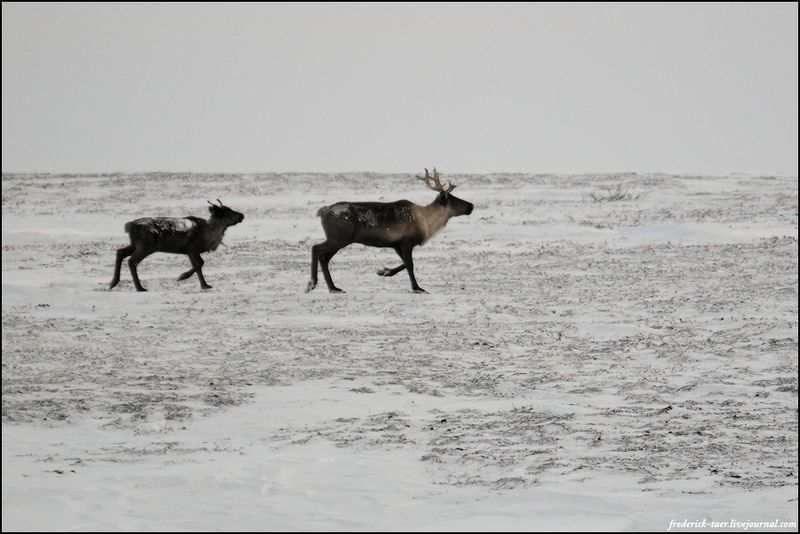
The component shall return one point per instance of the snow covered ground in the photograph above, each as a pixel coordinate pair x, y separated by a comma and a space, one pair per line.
576, 364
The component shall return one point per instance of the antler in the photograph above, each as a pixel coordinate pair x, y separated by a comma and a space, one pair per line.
433, 182
220, 203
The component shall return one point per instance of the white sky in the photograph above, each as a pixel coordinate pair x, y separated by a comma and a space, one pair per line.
708, 88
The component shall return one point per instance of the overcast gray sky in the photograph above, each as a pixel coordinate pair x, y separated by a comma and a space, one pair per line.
708, 88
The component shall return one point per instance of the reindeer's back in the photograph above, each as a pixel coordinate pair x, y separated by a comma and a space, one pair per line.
372, 223
163, 231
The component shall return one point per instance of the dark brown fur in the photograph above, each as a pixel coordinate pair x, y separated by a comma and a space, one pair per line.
188, 235
400, 225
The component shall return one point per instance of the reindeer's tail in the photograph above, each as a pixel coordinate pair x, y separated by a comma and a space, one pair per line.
128, 227
323, 211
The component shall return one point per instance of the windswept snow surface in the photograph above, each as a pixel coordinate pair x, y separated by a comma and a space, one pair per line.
576, 364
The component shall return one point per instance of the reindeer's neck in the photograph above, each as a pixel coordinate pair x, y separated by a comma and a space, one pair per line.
434, 218
214, 232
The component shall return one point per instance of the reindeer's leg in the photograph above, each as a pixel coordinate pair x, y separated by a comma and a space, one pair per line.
186, 275
409, 263
134, 260
386, 271
315, 252
197, 264
122, 253
326, 253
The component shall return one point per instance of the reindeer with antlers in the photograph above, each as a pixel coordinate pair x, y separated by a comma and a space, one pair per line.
400, 225
187, 235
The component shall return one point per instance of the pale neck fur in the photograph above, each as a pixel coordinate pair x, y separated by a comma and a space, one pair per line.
215, 231
433, 218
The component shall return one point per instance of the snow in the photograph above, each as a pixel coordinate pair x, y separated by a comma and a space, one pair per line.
340, 209
575, 364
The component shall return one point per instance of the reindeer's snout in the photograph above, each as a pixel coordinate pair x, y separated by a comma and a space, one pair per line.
469, 209
241, 217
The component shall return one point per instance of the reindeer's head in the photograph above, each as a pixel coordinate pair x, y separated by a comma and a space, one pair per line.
225, 213
445, 197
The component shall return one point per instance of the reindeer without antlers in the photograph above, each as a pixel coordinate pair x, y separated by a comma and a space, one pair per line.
400, 225
187, 235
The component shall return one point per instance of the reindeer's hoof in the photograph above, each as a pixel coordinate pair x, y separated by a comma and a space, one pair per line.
206, 286
335, 290
383, 271
113, 285
419, 290
140, 289
311, 285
